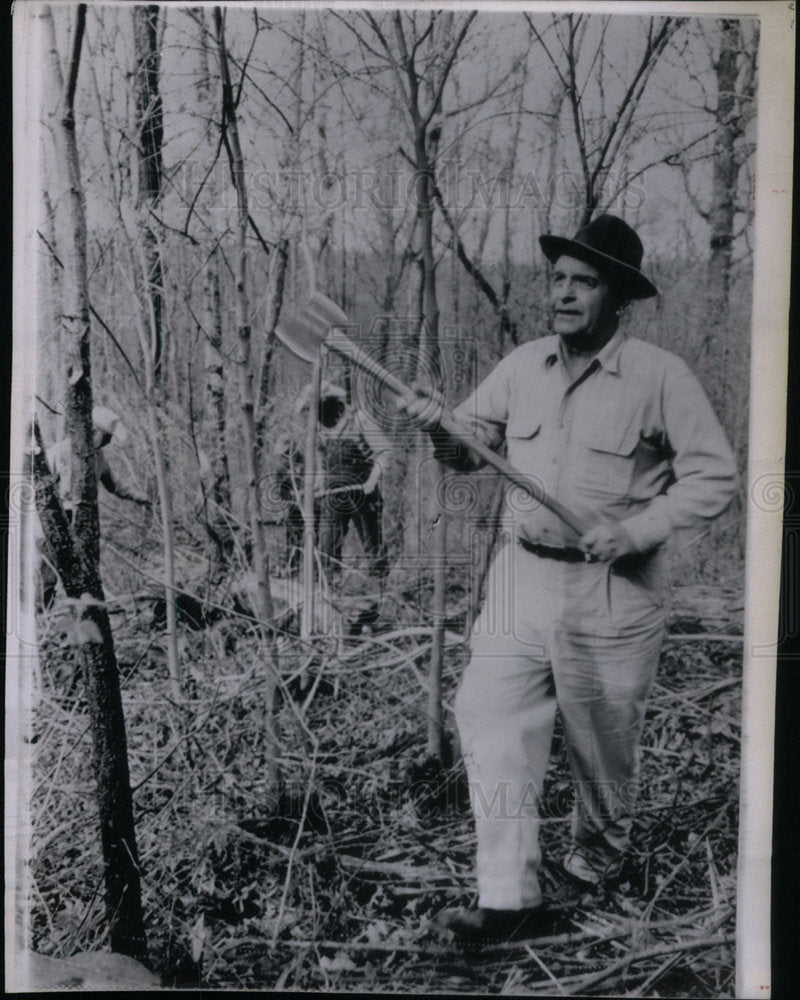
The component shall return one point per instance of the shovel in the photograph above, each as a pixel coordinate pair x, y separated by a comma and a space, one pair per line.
319, 323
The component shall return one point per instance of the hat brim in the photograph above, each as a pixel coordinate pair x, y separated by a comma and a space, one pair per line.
633, 281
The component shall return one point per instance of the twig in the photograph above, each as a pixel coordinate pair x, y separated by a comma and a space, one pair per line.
47, 406
180, 739
401, 633
545, 970
671, 960
293, 852
423, 875
673, 874
582, 985
271, 623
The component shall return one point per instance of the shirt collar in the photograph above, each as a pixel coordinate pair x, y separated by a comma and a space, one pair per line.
608, 357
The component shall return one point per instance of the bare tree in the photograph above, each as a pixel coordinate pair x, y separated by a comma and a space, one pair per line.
264, 610
74, 549
214, 430
734, 71
421, 83
715, 170
602, 138
279, 260
150, 138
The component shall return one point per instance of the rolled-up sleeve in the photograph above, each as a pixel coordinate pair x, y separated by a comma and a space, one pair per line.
704, 473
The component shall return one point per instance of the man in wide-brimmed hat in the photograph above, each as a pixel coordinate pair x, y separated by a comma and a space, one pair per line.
621, 433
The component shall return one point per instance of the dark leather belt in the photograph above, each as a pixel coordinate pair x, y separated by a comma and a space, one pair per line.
560, 554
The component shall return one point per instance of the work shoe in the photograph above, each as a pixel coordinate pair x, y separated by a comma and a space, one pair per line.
590, 867
485, 926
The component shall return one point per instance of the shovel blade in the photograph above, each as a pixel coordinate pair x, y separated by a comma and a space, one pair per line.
327, 310
302, 338
310, 326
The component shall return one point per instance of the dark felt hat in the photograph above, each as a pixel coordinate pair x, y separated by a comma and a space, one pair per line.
610, 245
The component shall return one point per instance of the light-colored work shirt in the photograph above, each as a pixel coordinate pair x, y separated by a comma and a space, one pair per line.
632, 439
352, 446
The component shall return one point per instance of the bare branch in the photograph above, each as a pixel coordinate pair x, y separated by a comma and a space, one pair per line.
547, 51
388, 55
246, 62
448, 66
637, 85
74, 63
408, 66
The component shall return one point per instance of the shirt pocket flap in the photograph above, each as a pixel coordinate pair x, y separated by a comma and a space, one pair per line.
523, 426
613, 440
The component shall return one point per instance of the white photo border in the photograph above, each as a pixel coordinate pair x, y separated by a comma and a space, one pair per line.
767, 430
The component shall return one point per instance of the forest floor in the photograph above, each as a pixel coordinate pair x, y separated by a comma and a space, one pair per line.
336, 890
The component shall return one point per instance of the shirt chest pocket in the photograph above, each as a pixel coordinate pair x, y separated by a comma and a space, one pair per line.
607, 458
522, 437
524, 426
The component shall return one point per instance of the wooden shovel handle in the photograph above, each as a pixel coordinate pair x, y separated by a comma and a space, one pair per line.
339, 342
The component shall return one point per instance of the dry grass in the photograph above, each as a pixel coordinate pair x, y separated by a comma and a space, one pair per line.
336, 890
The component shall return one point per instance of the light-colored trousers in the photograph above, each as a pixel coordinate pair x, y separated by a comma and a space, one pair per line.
583, 637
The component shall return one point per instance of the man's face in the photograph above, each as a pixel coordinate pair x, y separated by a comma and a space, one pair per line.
581, 299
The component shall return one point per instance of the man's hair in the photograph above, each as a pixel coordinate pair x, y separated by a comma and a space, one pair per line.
331, 409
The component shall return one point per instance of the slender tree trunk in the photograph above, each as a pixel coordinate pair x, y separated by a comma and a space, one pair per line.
507, 328
309, 484
95, 642
264, 602
76, 552
150, 132
726, 167
214, 370
145, 323
344, 227
214, 411
430, 341
165, 504
554, 137
723, 208
260, 562
150, 136
429, 353
413, 508
280, 266
426, 127
435, 730
49, 340
472, 267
